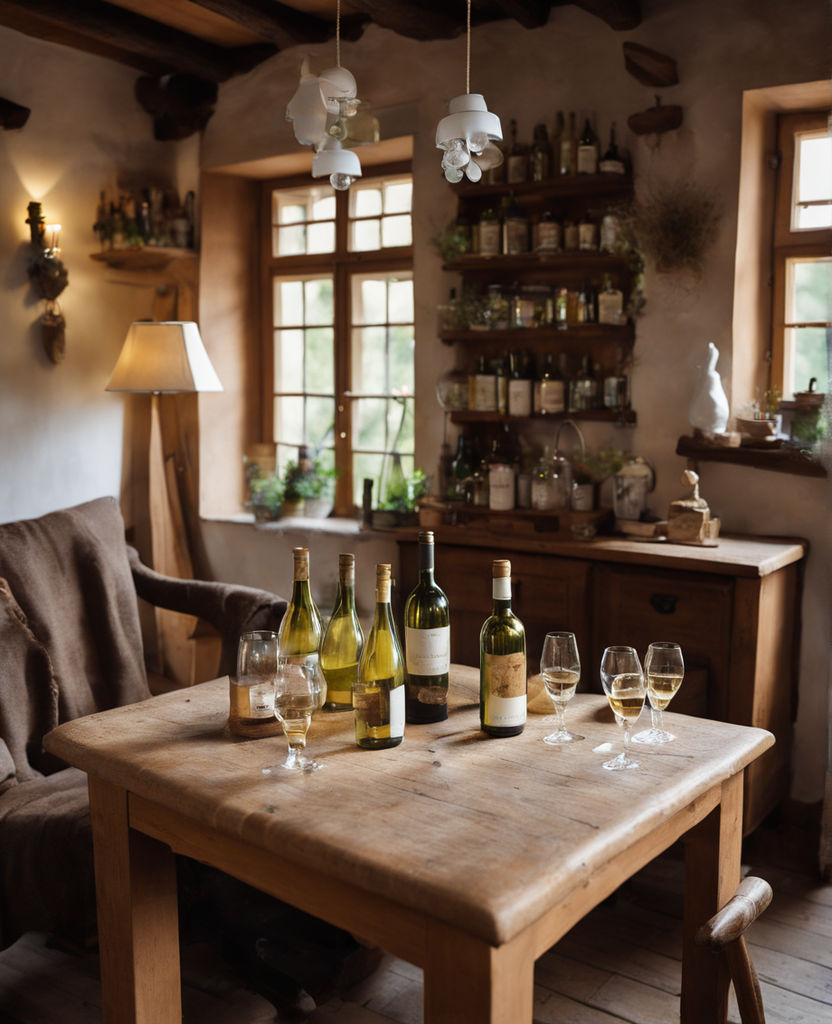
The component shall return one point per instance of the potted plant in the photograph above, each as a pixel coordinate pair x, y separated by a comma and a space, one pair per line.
589, 470
265, 496
761, 419
317, 488
401, 498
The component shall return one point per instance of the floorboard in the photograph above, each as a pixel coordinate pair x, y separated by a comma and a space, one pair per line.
620, 965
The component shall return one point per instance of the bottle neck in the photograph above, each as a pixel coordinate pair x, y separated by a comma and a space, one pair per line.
345, 598
426, 563
501, 593
301, 594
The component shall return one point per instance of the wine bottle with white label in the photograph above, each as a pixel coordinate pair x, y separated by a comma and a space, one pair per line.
378, 693
502, 661
427, 642
299, 636
342, 641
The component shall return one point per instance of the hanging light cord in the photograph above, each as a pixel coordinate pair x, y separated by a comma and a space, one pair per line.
338, 31
467, 52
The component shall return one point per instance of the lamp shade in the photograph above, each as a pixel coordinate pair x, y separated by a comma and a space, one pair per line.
163, 356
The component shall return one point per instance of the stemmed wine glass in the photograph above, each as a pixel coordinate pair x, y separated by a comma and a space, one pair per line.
665, 670
296, 697
560, 667
623, 682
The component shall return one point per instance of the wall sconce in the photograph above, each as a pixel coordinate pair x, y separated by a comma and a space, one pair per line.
49, 277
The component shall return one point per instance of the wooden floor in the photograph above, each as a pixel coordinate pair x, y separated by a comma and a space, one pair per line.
620, 964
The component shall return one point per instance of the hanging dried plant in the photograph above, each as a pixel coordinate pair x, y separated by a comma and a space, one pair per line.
673, 226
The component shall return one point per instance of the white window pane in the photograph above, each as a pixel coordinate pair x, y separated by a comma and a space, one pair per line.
288, 303
398, 197
291, 241
371, 428
366, 202
320, 421
401, 301
288, 360
290, 213
369, 360
809, 357
815, 162
319, 358
320, 237
371, 307
810, 217
812, 300
288, 420
366, 236
324, 208
319, 301
365, 467
400, 348
396, 231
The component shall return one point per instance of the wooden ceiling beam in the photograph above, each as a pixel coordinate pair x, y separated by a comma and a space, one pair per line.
622, 15
275, 22
530, 13
426, 19
150, 45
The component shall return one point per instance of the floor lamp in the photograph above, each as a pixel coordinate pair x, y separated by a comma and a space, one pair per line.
165, 358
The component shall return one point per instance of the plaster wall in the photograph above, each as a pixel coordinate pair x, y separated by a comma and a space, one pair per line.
723, 48
60, 432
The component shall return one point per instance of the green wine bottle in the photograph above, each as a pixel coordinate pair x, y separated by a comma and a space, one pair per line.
299, 635
502, 661
342, 642
427, 642
378, 693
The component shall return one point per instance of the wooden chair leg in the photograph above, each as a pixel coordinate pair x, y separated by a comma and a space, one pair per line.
724, 933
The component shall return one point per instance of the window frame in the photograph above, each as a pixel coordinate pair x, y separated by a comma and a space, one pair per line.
341, 264
786, 243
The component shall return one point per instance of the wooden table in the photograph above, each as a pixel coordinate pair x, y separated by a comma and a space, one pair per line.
465, 855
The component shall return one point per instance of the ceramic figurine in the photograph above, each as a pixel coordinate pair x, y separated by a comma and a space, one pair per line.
689, 520
709, 406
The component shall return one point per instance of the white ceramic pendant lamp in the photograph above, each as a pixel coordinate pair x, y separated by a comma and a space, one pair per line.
467, 135
319, 111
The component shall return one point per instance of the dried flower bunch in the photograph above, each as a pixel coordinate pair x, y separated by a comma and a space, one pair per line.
674, 225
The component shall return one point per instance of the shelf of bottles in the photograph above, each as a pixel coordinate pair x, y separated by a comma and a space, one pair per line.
619, 416
531, 337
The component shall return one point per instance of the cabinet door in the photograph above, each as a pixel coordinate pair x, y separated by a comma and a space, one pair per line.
548, 593
637, 606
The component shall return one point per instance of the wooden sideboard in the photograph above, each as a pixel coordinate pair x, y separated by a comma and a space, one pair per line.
734, 609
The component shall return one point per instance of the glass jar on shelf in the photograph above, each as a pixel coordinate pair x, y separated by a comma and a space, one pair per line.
496, 308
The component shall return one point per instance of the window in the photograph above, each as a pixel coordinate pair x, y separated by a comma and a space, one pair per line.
802, 254
339, 355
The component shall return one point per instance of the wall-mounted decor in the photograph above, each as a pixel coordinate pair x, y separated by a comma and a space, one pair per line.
49, 277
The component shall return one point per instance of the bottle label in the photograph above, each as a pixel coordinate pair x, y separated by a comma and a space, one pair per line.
520, 397
252, 700
610, 307
612, 167
397, 712
501, 588
501, 488
549, 234
587, 159
516, 169
551, 396
516, 234
485, 392
428, 651
587, 236
505, 702
489, 237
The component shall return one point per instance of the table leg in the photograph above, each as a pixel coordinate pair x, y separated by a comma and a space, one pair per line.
468, 980
138, 925
712, 872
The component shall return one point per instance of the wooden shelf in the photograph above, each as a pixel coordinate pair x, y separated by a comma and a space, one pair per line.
779, 460
576, 260
569, 186
145, 257
528, 335
623, 416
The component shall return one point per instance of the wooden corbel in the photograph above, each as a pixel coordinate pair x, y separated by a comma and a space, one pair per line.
180, 105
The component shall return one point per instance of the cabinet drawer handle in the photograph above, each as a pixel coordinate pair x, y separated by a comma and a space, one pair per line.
664, 604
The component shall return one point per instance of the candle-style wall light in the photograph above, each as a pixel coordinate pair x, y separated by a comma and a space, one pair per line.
49, 277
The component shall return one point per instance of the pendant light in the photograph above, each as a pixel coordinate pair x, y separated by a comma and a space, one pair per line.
319, 111
468, 133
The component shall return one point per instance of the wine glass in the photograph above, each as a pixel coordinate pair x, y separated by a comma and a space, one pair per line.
665, 670
560, 667
252, 689
295, 699
623, 682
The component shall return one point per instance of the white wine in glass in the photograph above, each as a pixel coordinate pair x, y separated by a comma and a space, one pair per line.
664, 667
296, 698
560, 667
623, 682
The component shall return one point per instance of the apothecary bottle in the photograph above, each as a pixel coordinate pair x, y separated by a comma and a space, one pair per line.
519, 387
612, 162
502, 661
490, 233
517, 161
540, 161
342, 641
427, 642
299, 635
515, 229
378, 695
569, 148
587, 160
551, 389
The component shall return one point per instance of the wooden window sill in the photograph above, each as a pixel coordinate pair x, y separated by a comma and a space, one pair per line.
780, 460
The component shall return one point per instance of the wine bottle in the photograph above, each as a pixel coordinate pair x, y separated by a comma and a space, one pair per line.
541, 154
587, 160
427, 642
612, 162
551, 389
517, 162
342, 641
299, 635
502, 661
569, 148
378, 695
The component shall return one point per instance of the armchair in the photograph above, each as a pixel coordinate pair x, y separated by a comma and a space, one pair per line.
70, 645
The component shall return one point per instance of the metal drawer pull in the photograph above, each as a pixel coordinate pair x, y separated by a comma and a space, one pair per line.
664, 604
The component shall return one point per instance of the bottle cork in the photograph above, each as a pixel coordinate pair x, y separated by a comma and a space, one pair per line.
500, 567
